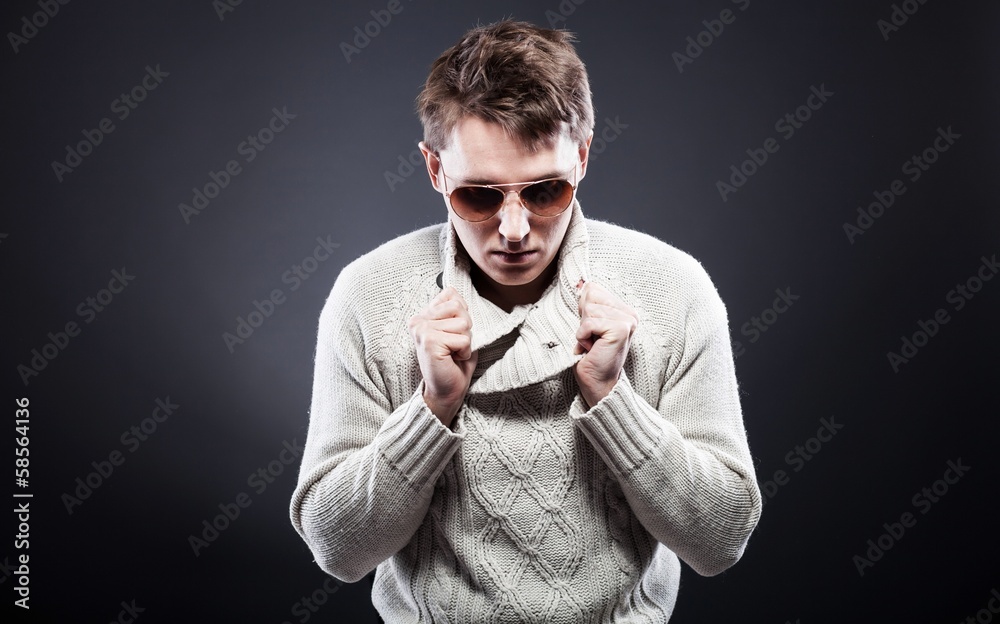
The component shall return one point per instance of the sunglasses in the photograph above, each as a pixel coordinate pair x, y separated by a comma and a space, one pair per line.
478, 202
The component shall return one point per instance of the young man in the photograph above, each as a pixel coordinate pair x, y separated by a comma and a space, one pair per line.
522, 415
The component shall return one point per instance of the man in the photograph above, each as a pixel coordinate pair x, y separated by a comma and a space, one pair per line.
522, 415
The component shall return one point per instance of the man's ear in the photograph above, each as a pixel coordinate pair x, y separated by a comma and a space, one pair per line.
433, 164
585, 156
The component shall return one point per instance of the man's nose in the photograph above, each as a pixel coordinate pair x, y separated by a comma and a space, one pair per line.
513, 218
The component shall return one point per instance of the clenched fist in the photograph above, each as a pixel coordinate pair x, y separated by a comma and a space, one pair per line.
442, 333
606, 326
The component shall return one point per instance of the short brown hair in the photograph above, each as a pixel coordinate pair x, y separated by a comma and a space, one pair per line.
526, 78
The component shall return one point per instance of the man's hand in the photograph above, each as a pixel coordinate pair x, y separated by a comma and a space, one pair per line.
442, 333
606, 326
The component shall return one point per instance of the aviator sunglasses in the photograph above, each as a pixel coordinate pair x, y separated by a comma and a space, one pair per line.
478, 202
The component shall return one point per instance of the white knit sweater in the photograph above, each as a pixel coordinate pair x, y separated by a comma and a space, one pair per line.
531, 508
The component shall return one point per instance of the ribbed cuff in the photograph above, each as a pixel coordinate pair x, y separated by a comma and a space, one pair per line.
416, 442
619, 426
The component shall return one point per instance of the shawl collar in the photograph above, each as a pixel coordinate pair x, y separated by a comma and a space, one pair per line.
546, 328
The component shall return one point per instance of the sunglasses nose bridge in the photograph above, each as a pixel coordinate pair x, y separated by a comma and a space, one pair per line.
517, 195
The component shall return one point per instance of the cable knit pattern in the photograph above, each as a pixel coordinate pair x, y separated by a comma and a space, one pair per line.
531, 507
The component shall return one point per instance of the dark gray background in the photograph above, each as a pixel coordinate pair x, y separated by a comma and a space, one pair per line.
324, 175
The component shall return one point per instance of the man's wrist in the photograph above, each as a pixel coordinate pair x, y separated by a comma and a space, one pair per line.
443, 413
592, 398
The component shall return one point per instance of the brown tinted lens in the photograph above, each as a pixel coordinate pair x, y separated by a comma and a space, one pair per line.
548, 198
476, 202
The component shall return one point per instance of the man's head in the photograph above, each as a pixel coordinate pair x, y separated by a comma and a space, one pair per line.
509, 103
527, 79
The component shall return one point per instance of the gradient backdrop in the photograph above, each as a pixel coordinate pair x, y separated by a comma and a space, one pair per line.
891, 336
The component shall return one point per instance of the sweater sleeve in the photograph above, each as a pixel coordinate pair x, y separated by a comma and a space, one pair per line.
368, 471
685, 466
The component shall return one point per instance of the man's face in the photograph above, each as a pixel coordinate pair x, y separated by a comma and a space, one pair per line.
514, 247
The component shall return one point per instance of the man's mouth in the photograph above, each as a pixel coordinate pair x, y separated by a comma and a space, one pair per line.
516, 257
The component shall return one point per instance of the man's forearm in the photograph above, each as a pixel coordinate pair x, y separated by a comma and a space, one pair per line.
366, 508
699, 506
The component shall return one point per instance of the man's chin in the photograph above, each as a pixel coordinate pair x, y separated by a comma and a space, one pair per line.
512, 276
510, 281
507, 275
